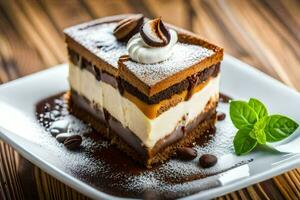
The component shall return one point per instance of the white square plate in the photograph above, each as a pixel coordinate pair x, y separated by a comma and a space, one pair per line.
19, 128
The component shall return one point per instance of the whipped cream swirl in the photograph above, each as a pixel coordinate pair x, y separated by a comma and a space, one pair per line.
140, 49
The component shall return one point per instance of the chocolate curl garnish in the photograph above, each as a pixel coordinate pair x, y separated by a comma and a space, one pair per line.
155, 34
126, 28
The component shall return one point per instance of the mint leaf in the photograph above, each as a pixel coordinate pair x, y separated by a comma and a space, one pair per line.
258, 107
242, 142
258, 132
242, 114
256, 127
279, 127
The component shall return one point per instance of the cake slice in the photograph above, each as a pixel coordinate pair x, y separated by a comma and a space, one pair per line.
148, 87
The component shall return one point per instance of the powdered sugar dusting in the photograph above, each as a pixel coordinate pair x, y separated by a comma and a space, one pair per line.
183, 57
99, 40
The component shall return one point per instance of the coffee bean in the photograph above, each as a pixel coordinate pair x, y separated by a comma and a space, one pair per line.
73, 142
186, 153
54, 132
221, 116
62, 137
207, 160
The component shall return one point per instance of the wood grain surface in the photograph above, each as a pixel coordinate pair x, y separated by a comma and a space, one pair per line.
263, 33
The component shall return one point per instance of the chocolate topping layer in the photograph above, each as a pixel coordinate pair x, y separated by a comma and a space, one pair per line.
95, 41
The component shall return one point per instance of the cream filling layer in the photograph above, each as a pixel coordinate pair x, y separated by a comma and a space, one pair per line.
148, 130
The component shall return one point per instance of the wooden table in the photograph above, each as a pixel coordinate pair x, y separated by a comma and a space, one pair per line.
263, 33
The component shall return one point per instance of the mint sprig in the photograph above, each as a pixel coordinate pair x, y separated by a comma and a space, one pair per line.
255, 126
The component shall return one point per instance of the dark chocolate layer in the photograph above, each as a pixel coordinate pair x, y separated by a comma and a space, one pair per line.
115, 127
187, 84
109, 79
83, 63
84, 104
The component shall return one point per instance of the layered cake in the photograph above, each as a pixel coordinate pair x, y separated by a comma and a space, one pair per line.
147, 86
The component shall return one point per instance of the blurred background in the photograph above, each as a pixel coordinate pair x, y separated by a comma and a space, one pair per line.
263, 33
